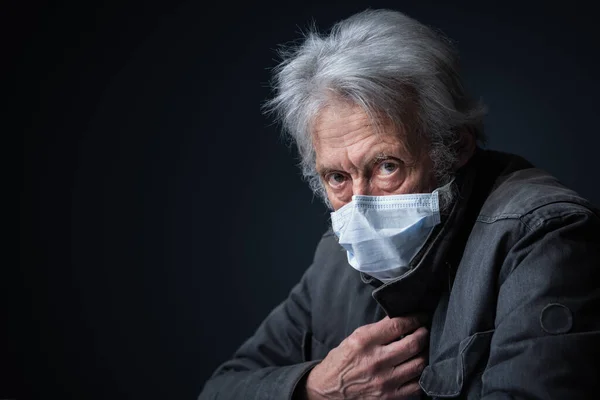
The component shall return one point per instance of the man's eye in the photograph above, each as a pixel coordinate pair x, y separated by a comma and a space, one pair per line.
336, 179
388, 167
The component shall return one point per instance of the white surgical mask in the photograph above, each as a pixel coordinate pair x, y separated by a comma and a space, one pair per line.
382, 234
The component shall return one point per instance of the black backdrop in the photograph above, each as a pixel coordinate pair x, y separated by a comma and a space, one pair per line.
162, 216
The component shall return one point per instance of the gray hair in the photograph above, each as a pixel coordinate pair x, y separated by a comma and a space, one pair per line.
385, 62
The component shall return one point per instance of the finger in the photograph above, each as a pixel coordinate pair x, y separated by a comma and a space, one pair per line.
409, 390
408, 370
390, 329
406, 348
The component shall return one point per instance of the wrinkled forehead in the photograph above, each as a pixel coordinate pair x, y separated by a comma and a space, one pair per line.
342, 124
338, 119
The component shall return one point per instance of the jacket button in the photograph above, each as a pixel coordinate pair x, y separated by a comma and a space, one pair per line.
556, 318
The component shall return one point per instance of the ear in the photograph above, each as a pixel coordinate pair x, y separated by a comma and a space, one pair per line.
466, 148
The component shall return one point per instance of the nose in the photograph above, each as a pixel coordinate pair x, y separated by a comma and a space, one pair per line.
360, 187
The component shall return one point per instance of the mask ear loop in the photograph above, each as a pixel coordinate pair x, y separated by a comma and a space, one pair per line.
446, 187
435, 206
436, 198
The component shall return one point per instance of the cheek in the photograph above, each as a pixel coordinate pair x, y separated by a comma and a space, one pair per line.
338, 200
388, 184
337, 204
339, 195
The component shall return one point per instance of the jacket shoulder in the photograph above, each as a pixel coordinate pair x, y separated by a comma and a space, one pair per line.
531, 193
328, 250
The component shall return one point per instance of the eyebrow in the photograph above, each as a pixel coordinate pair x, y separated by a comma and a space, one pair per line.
324, 170
379, 157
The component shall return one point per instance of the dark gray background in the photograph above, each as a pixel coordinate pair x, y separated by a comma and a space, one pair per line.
162, 217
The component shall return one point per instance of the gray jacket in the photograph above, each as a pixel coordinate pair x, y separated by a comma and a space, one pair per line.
511, 281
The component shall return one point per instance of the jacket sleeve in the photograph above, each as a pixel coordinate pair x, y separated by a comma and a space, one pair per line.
270, 363
547, 325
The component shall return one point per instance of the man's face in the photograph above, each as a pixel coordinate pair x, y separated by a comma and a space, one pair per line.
353, 158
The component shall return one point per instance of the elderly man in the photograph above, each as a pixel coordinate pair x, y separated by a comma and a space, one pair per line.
450, 270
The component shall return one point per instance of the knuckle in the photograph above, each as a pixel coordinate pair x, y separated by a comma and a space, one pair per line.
422, 334
351, 342
398, 326
356, 340
359, 331
412, 345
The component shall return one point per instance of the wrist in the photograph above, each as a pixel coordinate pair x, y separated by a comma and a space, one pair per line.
301, 391
310, 392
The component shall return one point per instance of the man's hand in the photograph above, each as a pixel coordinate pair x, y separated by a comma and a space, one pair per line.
372, 363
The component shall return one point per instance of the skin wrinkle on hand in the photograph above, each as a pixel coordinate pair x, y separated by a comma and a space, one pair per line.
362, 366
